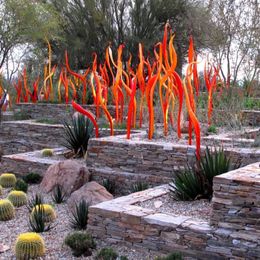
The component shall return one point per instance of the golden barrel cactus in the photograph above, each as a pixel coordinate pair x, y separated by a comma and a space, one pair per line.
29, 245
7, 180
6, 210
18, 198
49, 212
47, 152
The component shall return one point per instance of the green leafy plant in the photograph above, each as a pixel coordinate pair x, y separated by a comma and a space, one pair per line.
37, 220
7, 180
77, 134
212, 129
139, 186
47, 152
7, 210
37, 199
187, 185
29, 246
32, 178
172, 256
107, 254
18, 198
215, 162
79, 215
58, 194
21, 185
81, 243
110, 185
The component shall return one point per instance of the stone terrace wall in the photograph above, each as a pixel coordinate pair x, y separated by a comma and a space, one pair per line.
232, 233
58, 112
149, 157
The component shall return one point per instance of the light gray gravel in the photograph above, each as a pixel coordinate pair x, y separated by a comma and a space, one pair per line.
55, 249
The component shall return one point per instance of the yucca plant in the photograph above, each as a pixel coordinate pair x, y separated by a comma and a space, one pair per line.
139, 186
79, 215
215, 162
37, 199
77, 134
58, 194
37, 220
110, 185
187, 185
29, 246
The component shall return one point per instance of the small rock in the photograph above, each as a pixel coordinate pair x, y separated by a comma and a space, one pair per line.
157, 204
3, 248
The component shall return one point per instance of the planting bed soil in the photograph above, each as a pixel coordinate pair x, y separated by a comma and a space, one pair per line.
55, 248
199, 209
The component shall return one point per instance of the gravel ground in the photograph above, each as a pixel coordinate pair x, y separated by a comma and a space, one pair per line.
55, 249
199, 209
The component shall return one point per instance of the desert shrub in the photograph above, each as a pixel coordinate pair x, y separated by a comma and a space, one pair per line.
139, 186
47, 152
81, 243
29, 246
32, 178
21, 185
58, 194
37, 221
110, 185
212, 129
37, 199
171, 256
187, 185
77, 134
79, 215
107, 254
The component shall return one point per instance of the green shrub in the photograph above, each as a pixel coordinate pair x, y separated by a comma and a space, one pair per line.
187, 185
7, 180
172, 256
110, 185
18, 198
21, 185
77, 134
29, 246
79, 215
32, 178
107, 254
47, 152
37, 199
58, 194
139, 186
81, 243
212, 129
37, 220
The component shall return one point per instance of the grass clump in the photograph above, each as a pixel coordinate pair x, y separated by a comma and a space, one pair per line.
58, 194
79, 216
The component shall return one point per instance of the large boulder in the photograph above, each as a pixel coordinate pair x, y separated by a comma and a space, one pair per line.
70, 174
92, 192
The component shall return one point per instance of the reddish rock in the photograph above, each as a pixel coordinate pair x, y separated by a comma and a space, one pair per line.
92, 192
69, 174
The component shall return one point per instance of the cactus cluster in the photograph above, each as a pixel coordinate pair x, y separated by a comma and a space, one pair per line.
49, 212
7, 180
6, 210
47, 152
28, 246
18, 198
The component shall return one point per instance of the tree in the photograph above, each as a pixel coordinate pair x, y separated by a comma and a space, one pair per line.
24, 22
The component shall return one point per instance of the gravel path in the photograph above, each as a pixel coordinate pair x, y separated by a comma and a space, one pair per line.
55, 249
200, 209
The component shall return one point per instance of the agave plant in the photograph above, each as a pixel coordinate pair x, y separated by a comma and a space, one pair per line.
59, 195
77, 134
79, 215
187, 185
37, 199
215, 162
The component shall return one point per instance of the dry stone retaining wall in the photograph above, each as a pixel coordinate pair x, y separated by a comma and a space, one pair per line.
232, 233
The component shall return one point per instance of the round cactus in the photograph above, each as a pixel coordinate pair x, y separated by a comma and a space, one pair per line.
6, 210
49, 212
47, 152
17, 197
28, 246
7, 180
